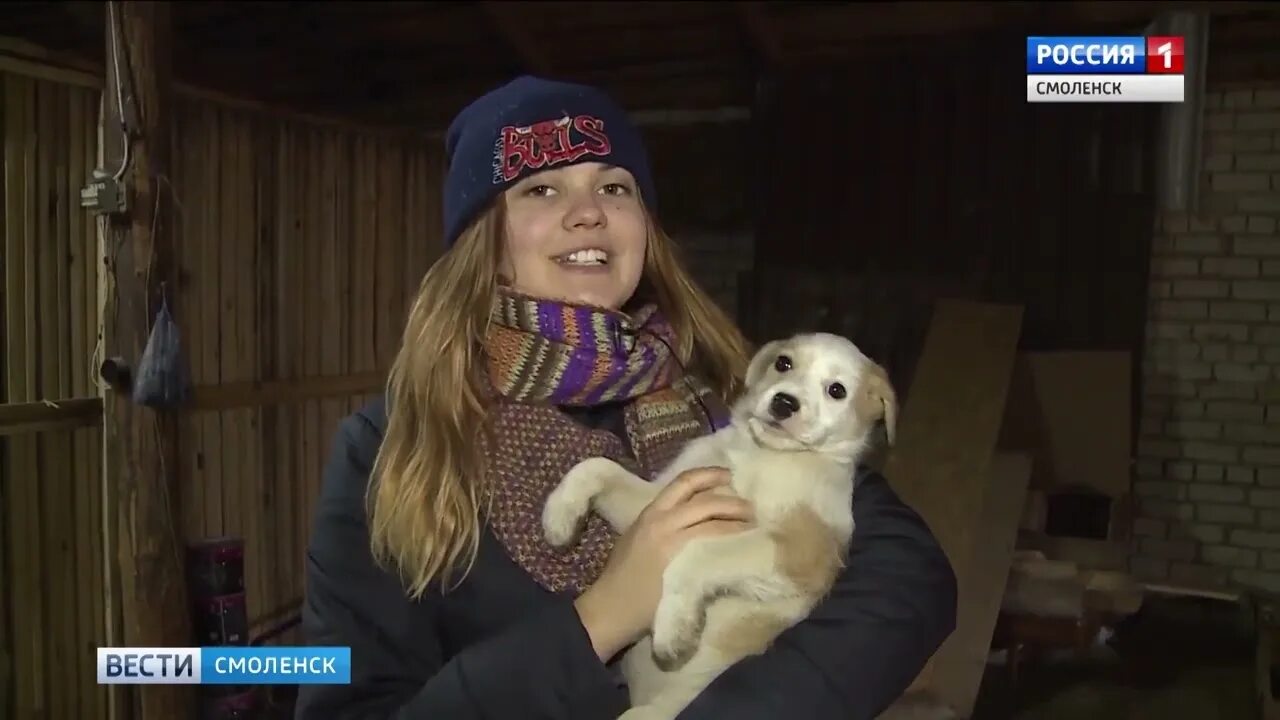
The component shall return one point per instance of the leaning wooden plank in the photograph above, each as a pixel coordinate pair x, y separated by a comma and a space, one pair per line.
959, 663
948, 428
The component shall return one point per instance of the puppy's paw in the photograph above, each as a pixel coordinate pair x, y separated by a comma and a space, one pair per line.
676, 627
570, 502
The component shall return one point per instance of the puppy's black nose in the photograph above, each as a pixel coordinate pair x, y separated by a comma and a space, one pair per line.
784, 406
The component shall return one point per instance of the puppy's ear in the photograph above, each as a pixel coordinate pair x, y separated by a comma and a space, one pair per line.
882, 397
762, 361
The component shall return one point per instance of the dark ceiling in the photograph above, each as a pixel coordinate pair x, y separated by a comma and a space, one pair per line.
418, 62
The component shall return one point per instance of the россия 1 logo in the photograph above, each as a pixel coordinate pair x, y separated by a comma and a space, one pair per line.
1105, 69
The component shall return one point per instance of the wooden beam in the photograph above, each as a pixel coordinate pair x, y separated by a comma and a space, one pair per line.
47, 415
141, 442
500, 15
755, 22
280, 392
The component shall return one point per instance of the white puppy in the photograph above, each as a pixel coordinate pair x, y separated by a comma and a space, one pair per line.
807, 415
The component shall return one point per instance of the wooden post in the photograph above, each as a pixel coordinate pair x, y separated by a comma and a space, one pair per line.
141, 442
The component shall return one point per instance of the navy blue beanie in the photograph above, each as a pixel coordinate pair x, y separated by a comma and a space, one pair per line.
526, 126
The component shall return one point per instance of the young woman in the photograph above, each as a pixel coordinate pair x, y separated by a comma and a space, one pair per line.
558, 326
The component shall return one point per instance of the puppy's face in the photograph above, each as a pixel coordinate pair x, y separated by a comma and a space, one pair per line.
817, 392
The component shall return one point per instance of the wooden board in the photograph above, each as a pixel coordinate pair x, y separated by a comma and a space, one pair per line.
960, 662
1080, 417
949, 426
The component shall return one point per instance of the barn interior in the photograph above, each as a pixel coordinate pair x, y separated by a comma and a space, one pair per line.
1078, 303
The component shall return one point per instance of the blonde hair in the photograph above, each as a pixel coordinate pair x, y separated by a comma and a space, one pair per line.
426, 489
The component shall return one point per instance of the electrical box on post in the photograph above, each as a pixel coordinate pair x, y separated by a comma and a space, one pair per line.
104, 195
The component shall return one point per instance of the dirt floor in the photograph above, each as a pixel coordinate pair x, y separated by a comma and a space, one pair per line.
1174, 660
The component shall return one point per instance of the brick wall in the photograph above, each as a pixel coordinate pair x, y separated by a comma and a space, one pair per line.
1208, 474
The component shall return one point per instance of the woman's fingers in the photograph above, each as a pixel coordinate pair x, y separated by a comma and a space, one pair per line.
708, 507
688, 484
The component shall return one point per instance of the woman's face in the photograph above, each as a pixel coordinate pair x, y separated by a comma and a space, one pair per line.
576, 233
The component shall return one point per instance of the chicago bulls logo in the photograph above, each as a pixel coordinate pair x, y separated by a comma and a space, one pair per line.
547, 143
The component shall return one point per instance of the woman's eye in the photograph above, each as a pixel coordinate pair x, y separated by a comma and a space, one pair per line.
617, 189
539, 191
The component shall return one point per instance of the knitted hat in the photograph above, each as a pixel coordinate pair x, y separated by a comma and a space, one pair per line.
526, 126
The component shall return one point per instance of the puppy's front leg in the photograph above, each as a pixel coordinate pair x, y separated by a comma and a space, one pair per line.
599, 483
744, 564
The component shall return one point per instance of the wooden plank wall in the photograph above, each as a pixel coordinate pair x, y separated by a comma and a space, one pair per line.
299, 247
930, 175
54, 594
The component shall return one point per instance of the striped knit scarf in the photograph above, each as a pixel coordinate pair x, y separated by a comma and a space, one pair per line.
542, 354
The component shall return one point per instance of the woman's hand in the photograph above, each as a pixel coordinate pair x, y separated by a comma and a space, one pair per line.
618, 609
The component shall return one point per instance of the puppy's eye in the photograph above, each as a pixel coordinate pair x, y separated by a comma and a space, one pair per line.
837, 391
782, 364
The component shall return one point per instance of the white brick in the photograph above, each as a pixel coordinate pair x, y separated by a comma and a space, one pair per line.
1158, 448
1248, 412
1269, 582
1148, 568
1237, 98
1245, 354
1253, 289
1210, 472
1226, 514
1170, 267
1220, 121
1229, 556
1241, 311
1236, 182
1200, 288
1254, 539
1187, 409
1182, 511
1200, 492
1219, 162
1197, 245
1269, 477
1161, 489
1235, 223
1259, 455
1266, 98
1170, 387
1269, 519
1238, 372
1236, 141
1167, 330
1180, 470
1273, 314
1169, 350
1266, 335
1258, 120
1150, 527
1270, 561
1207, 534
1216, 353
1240, 475
1269, 392
1245, 434
1265, 498
1259, 225
1160, 289
1212, 452
1182, 309
1257, 245
1184, 550
1149, 469
1183, 369
1225, 391
1231, 267
1193, 430
1271, 268
1210, 332
1268, 203
1262, 161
